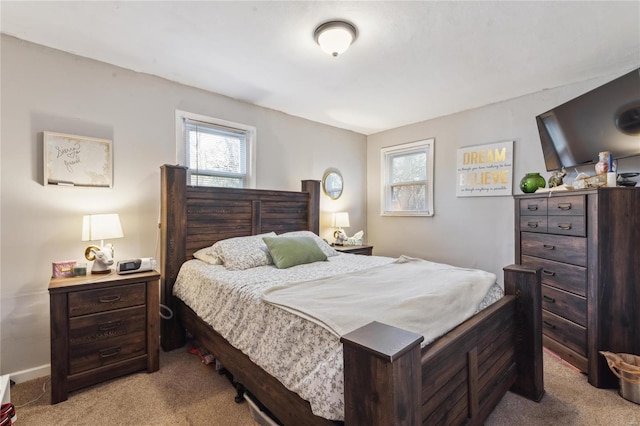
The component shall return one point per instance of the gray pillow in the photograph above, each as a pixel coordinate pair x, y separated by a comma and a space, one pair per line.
291, 251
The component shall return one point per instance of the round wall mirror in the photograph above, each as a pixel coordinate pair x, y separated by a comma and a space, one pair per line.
332, 184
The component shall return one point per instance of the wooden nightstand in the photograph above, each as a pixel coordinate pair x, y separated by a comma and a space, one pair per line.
102, 327
364, 250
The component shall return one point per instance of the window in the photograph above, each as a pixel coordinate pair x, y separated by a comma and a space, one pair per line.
217, 152
407, 179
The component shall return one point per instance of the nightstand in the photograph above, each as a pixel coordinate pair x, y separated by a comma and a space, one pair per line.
364, 250
102, 327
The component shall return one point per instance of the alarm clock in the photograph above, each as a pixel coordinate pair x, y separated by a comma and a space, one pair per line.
131, 266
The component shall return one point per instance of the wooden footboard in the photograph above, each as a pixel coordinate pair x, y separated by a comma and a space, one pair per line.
461, 376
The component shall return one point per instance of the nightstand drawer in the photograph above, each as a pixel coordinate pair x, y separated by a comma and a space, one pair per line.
99, 353
566, 277
555, 247
106, 299
564, 331
565, 304
107, 325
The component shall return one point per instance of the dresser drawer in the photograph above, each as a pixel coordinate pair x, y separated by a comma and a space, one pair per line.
564, 304
555, 247
106, 299
96, 354
566, 206
107, 325
564, 331
566, 277
566, 225
533, 206
533, 223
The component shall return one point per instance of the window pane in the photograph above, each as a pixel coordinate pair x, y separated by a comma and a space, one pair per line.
226, 182
408, 197
216, 152
409, 167
407, 183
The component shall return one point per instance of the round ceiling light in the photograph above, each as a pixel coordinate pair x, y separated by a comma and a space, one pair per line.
335, 37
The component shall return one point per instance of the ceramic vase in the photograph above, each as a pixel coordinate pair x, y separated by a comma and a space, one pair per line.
531, 182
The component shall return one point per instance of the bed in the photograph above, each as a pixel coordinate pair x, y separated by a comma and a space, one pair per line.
389, 378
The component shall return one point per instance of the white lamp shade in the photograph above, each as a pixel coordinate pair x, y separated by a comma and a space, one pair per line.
341, 220
335, 37
101, 227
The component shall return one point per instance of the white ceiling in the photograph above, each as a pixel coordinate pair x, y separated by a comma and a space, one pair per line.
412, 61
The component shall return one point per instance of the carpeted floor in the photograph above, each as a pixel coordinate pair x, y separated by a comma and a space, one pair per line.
186, 392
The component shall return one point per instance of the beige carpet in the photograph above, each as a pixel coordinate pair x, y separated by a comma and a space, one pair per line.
186, 392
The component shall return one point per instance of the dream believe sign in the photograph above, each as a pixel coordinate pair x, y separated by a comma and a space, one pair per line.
485, 170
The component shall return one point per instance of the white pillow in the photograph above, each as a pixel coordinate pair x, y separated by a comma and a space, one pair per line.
324, 246
208, 255
241, 253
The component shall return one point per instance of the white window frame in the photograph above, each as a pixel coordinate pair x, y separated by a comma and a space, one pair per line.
386, 155
251, 134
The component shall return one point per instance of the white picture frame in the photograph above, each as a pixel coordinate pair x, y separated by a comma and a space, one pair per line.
71, 160
485, 170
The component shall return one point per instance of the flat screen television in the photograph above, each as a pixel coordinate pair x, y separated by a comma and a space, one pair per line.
606, 118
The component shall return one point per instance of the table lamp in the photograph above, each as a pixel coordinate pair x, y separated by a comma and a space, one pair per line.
101, 227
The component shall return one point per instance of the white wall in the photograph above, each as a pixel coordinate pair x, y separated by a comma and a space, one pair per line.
48, 90
473, 231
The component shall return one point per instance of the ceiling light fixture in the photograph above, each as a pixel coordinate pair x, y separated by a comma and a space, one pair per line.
335, 37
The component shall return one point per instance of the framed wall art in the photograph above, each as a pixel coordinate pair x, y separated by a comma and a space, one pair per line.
77, 160
485, 170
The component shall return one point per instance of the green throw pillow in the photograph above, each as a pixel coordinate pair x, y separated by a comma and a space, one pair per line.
291, 251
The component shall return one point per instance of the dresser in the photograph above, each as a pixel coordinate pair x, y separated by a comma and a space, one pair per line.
587, 244
102, 327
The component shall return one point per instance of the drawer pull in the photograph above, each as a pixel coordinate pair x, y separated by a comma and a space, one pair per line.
109, 325
532, 207
548, 273
532, 224
564, 206
548, 247
549, 299
109, 352
565, 226
109, 299
548, 324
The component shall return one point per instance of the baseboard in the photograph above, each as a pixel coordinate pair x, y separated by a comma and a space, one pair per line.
31, 373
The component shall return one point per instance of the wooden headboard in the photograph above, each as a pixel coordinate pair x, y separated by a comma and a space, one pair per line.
196, 217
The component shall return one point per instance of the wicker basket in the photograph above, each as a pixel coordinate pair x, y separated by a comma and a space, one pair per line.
627, 368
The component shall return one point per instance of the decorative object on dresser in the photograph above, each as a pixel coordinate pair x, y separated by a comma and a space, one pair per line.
459, 378
102, 327
531, 182
586, 243
101, 227
364, 250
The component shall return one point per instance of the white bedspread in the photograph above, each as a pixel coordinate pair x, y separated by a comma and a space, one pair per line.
302, 355
414, 294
